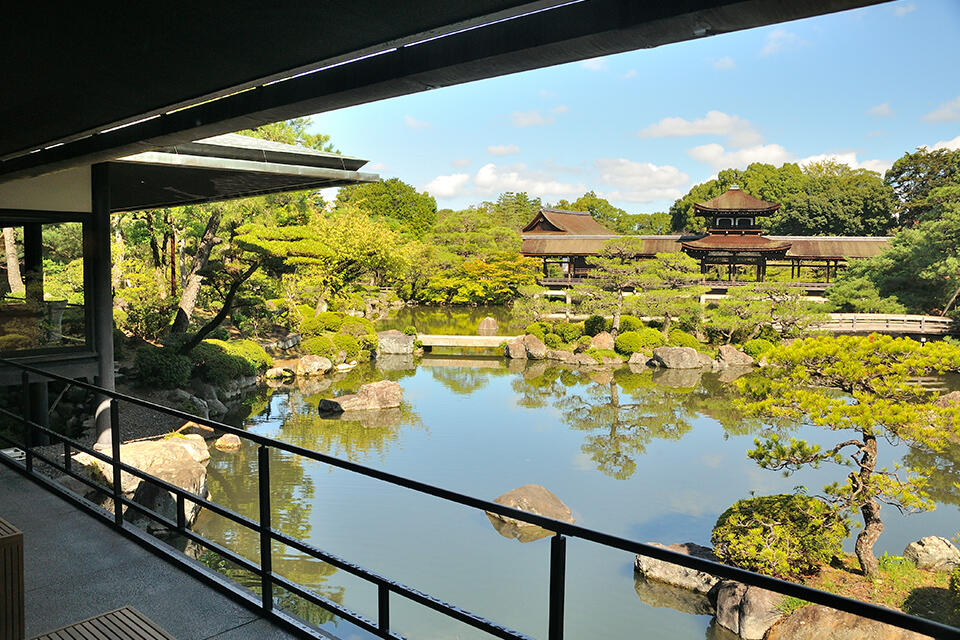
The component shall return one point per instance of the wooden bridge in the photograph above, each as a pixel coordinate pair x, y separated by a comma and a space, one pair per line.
889, 323
432, 340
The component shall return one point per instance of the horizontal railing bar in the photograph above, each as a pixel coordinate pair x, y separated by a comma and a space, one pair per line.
330, 606
867, 610
398, 588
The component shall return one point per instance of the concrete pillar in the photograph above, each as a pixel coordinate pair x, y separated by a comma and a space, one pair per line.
101, 294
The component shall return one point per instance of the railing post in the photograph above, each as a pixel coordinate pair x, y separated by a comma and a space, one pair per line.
558, 570
25, 412
181, 513
115, 451
383, 608
266, 538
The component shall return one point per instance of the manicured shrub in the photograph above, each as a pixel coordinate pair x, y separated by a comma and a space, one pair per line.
347, 344
162, 367
220, 333
785, 535
320, 346
553, 340
630, 323
594, 325
410, 330
600, 354
369, 343
633, 341
569, 331
539, 329
219, 361
680, 338
757, 347
253, 353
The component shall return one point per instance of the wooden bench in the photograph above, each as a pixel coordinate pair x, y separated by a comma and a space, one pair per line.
123, 624
11, 582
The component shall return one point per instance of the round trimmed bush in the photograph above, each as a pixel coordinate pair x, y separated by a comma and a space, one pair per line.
582, 344
569, 331
784, 535
633, 341
410, 330
162, 367
594, 325
680, 338
348, 344
630, 323
320, 346
539, 329
757, 347
553, 340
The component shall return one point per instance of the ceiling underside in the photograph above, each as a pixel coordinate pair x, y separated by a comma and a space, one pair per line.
74, 73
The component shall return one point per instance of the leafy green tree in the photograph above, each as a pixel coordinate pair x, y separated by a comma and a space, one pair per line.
475, 232
395, 202
739, 316
616, 271
857, 294
601, 210
915, 176
513, 210
669, 288
921, 265
868, 387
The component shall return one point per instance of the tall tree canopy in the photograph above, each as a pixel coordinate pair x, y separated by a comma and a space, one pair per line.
915, 176
394, 201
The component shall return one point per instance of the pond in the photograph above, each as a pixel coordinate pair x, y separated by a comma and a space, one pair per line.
652, 456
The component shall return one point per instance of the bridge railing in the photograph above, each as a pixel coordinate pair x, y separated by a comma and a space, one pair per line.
387, 589
904, 323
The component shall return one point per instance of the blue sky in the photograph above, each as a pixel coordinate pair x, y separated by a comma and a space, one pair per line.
641, 128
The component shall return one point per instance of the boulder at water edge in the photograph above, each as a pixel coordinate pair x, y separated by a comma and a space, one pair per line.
730, 356
228, 442
676, 358
313, 366
488, 327
279, 373
603, 340
536, 350
515, 350
376, 395
394, 342
534, 499
933, 553
816, 622
747, 610
663, 571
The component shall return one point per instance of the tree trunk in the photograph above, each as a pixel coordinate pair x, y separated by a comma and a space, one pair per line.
13, 262
870, 510
222, 314
616, 314
188, 299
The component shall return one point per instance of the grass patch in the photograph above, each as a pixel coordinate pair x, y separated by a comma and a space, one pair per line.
789, 604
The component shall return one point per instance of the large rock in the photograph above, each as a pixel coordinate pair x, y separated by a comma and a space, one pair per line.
394, 342
561, 356
705, 360
730, 356
583, 360
534, 499
747, 610
177, 460
376, 395
816, 622
638, 359
602, 340
947, 400
676, 358
228, 442
515, 350
933, 553
313, 366
663, 571
279, 373
536, 350
488, 327
216, 408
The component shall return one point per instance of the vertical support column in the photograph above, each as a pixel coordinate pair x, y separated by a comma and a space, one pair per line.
39, 412
33, 266
266, 537
100, 294
558, 570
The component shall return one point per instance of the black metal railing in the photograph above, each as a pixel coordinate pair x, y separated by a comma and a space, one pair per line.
386, 587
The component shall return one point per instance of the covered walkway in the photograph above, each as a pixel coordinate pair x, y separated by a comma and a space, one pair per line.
77, 568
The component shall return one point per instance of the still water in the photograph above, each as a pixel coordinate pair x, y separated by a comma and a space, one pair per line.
653, 456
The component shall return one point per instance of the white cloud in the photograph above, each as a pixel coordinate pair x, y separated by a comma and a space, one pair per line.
739, 132
546, 93
448, 186
560, 108
904, 9
460, 162
503, 149
413, 123
848, 158
950, 145
947, 112
531, 118
594, 64
719, 158
494, 179
632, 73
780, 40
726, 62
881, 110
376, 166
640, 181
